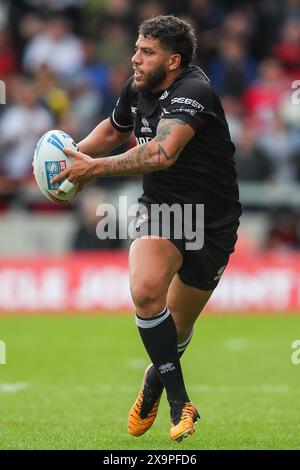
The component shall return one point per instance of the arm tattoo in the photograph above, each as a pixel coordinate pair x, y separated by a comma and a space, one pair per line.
164, 128
144, 158
139, 160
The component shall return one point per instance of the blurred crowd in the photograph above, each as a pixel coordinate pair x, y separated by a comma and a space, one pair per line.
64, 62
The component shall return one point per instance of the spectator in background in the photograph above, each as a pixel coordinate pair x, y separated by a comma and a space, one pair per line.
70, 8
120, 11
4, 14
234, 115
56, 47
289, 112
8, 59
284, 231
117, 75
55, 5
263, 97
24, 26
54, 96
148, 9
21, 125
279, 150
267, 20
206, 13
287, 50
94, 67
232, 71
207, 19
239, 25
252, 163
291, 9
86, 103
115, 43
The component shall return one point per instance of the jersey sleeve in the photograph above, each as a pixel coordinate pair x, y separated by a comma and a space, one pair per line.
191, 102
121, 118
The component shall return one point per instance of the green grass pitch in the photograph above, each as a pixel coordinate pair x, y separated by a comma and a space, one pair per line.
69, 382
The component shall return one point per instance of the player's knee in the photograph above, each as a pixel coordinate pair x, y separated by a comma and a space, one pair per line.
148, 297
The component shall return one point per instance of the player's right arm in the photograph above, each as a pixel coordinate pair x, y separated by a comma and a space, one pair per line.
103, 139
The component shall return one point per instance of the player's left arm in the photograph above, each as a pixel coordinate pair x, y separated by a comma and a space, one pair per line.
160, 153
175, 134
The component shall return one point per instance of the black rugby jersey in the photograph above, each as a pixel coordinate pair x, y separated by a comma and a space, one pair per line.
204, 172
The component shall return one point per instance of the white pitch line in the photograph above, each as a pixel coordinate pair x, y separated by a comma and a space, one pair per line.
13, 387
235, 344
107, 389
204, 388
137, 363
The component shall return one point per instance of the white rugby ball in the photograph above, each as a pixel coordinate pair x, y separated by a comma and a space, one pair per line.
49, 160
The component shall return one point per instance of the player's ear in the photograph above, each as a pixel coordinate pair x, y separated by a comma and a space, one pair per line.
174, 61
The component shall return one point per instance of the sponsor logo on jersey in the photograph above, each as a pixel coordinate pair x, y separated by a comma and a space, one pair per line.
183, 100
168, 367
133, 110
146, 126
142, 140
190, 111
164, 95
219, 273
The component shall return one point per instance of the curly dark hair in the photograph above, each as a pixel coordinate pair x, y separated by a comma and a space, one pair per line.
174, 34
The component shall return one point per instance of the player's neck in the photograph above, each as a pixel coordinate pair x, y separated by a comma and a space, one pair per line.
167, 82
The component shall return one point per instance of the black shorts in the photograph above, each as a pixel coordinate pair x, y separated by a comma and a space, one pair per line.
202, 268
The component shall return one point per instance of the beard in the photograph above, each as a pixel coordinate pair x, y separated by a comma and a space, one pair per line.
151, 80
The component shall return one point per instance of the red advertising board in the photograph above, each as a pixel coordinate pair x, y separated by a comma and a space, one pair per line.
99, 282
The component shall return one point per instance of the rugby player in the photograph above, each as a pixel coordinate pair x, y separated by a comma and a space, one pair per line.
185, 153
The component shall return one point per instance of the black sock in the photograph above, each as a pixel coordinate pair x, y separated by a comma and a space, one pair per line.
160, 340
153, 378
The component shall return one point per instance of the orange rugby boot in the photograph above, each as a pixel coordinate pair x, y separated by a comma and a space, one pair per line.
184, 415
143, 413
